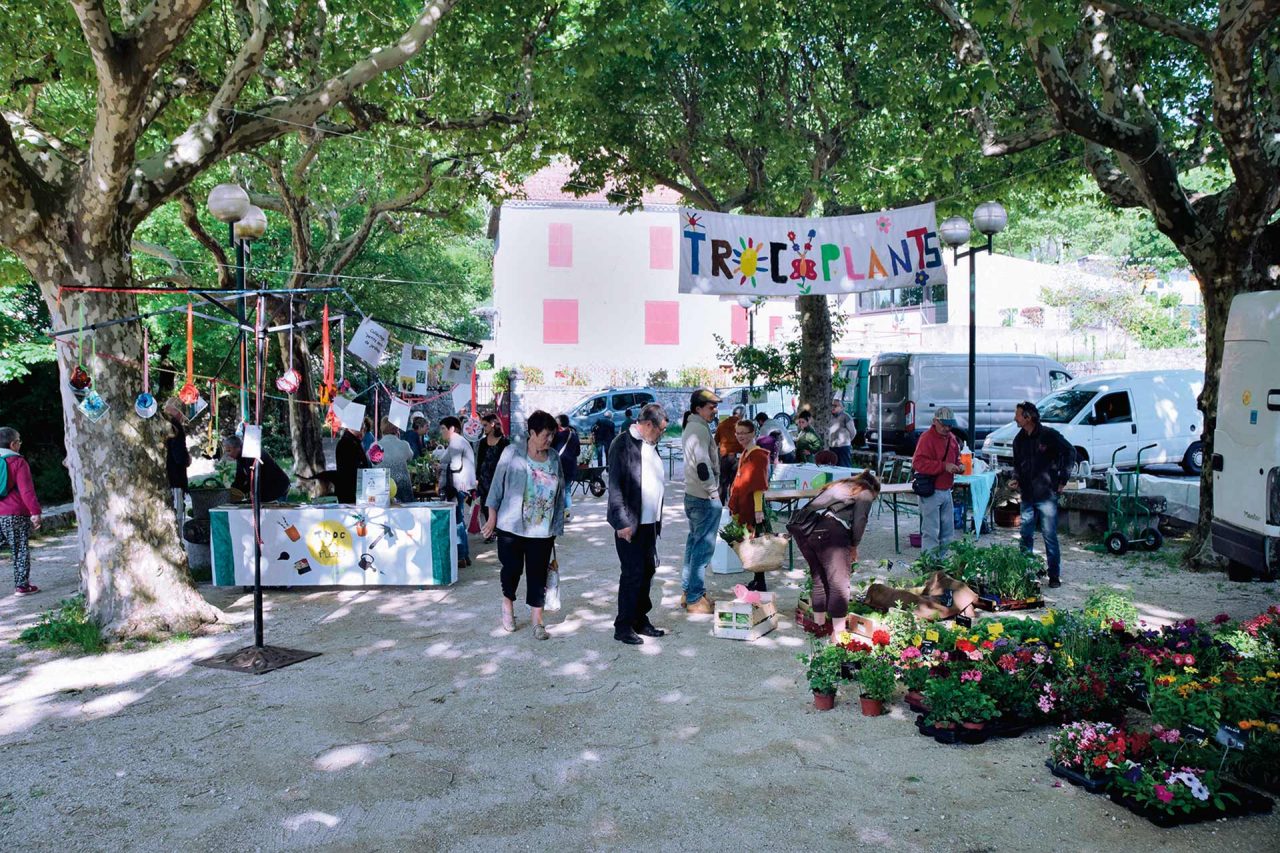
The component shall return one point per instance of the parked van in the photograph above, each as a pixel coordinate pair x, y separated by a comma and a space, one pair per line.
907, 388
778, 403
612, 402
855, 372
1246, 442
1099, 414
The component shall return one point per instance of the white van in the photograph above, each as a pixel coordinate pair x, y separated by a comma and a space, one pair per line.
777, 403
1125, 411
1246, 442
909, 387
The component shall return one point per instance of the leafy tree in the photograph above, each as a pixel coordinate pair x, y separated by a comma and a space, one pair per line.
1154, 92
110, 112
762, 108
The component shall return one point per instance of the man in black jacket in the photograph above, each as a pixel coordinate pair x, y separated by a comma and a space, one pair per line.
1042, 463
636, 490
273, 482
602, 433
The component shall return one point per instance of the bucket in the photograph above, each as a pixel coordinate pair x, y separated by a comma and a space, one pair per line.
914, 539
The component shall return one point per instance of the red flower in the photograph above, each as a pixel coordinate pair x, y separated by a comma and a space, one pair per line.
988, 645
1221, 618
1099, 761
965, 646
880, 637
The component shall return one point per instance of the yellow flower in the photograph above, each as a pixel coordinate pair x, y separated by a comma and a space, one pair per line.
1190, 670
1257, 678
995, 629
1213, 679
1071, 663
1047, 619
1057, 645
1273, 674
1030, 640
975, 639
1273, 728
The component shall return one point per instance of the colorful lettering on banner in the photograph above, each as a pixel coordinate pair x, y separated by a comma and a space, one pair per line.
721, 253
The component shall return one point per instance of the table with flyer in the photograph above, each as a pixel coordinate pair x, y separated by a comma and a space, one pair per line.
412, 544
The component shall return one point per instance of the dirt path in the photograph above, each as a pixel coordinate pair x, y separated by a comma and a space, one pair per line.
423, 727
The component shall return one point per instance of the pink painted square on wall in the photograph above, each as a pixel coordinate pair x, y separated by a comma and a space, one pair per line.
660, 252
559, 321
737, 324
560, 244
662, 322
775, 324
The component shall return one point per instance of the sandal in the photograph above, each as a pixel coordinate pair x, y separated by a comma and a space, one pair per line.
508, 622
540, 633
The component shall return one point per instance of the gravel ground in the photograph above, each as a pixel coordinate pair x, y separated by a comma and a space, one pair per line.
425, 727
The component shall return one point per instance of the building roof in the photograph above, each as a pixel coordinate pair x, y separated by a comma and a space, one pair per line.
547, 186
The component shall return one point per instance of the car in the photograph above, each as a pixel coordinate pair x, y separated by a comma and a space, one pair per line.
778, 403
1120, 413
906, 388
611, 402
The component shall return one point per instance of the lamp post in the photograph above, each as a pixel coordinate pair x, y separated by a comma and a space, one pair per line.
990, 219
751, 305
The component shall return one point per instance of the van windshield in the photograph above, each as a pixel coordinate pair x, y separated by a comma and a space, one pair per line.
1063, 406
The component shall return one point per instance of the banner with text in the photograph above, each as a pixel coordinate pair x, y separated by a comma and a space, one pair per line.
721, 253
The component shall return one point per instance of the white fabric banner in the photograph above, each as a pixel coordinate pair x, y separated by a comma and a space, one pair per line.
721, 253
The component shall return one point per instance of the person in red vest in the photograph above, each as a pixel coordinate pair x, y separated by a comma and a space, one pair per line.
938, 457
746, 498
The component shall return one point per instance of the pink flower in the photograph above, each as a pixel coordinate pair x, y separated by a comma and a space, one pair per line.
974, 655
1221, 618
910, 653
971, 675
1163, 794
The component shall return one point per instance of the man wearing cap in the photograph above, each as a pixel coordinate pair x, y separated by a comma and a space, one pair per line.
840, 433
1042, 463
701, 498
938, 456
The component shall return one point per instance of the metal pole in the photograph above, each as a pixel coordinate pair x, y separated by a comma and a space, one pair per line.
973, 348
751, 344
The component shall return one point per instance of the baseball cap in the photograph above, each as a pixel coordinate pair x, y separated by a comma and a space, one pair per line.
944, 415
702, 397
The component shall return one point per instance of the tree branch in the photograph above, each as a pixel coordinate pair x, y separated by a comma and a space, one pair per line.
1156, 21
191, 219
161, 27
24, 194
219, 134
177, 274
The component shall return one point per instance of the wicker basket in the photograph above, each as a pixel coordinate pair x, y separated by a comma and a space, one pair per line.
763, 553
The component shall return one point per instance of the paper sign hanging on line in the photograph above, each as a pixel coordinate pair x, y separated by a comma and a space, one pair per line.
458, 367
415, 362
462, 397
399, 413
369, 343
352, 415
251, 444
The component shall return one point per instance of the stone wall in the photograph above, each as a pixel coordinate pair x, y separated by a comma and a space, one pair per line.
1190, 358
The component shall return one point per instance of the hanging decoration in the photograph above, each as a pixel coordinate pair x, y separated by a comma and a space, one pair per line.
291, 380
188, 394
92, 405
79, 380
327, 388
344, 384
145, 404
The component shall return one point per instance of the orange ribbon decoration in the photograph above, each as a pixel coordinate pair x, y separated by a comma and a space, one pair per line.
189, 393
328, 388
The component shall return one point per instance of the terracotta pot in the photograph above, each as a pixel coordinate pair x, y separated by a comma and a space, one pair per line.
871, 707
1007, 516
915, 697
973, 727
824, 701
945, 726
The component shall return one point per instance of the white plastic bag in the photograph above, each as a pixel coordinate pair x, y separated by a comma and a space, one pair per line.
552, 601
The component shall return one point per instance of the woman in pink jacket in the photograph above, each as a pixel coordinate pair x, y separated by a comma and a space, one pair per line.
19, 509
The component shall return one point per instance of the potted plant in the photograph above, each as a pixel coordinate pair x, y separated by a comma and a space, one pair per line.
877, 681
913, 669
1168, 795
822, 668
856, 652
733, 533
958, 700
1087, 754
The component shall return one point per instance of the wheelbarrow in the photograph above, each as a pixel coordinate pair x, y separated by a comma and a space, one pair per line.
590, 479
1130, 522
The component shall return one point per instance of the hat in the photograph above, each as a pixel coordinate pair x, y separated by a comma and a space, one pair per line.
944, 415
418, 416
702, 397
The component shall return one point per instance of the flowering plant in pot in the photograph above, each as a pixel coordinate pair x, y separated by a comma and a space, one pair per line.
877, 682
913, 670
958, 699
823, 669
1091, 749
1172, 790
855, 653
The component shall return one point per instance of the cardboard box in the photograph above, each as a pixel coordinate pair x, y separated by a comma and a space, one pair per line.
738, 620
865, 626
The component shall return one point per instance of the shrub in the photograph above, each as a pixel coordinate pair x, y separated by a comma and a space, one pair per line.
659, 378
696, 377
1106, 606
65, 625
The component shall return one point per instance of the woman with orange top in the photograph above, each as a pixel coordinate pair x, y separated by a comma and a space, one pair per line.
746, 498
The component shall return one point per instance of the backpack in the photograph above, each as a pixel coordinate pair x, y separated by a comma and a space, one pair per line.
5, 453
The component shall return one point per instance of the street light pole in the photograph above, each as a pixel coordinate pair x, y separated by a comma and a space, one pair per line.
750, 305
990, 219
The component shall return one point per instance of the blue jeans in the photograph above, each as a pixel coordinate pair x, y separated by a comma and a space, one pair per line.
704, 524
1042, 514
844, 456
464, 547
937, 521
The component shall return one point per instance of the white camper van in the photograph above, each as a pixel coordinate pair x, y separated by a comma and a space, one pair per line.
1125, 411
1246, 442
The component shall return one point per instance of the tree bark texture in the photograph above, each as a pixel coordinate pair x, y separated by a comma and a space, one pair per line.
134, 573
815, 367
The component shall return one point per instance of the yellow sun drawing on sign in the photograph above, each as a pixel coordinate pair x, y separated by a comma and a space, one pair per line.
749, 260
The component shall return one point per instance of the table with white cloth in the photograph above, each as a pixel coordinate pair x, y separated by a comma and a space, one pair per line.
412, 544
